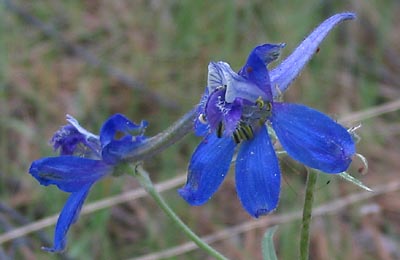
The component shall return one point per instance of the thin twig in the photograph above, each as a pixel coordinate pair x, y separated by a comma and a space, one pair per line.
89, 58
329, 208
371, 112
22, 220
179, 180
6, 225
92, 207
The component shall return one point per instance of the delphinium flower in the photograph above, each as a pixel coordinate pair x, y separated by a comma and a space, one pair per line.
84, 159
236, 111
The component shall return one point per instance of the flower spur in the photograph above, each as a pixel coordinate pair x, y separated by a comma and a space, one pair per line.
85, 158
236, 109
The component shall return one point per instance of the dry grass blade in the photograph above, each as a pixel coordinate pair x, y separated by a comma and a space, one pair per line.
131, 195
92, 207
371, 112
328, 208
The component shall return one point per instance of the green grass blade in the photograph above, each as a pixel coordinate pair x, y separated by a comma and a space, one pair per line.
268, 249
353, 180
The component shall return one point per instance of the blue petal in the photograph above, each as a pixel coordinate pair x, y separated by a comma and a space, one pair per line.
69, 173
68, 216
132, 136
201, 128
221, 74
208, 168
255, 69
257, 174
289, 69
268, 52
116, 150
312, 138
120, 124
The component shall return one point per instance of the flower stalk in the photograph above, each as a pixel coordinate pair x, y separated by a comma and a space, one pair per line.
307, 213
143, 177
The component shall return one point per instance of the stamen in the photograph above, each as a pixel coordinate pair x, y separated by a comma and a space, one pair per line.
243, 132
260, 103
247, 131
236, 137
268, 106
220, 130
263, 105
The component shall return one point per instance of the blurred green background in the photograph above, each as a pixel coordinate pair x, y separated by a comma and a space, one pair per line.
166, 47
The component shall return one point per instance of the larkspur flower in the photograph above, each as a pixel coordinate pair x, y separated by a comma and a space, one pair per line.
236, 109
84, 159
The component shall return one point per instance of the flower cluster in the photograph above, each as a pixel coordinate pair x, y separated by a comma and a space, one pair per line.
237, 109
84, 159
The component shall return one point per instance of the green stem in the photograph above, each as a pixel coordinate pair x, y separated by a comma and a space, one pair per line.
147, 184
307, 212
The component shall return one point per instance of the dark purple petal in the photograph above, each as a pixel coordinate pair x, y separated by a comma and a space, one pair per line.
219, 111
289, 69
214, 107
69, 173
67, 138
68, 216
312, 138
232, 117
257, 175
73, 139
207, 169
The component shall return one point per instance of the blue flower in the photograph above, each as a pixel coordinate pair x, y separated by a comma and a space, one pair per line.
84, 159
236, 109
